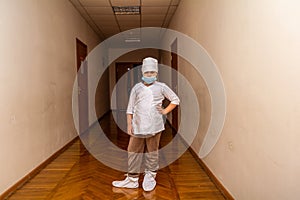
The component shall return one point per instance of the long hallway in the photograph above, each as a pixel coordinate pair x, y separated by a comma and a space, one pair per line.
76, 174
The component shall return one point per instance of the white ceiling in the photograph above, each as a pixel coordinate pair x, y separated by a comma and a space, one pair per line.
99, 14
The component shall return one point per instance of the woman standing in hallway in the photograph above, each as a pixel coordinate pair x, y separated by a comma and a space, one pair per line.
145, 124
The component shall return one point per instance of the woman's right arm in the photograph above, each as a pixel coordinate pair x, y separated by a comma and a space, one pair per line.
129, 124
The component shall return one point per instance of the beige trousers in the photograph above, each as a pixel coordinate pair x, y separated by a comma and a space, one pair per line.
139, 148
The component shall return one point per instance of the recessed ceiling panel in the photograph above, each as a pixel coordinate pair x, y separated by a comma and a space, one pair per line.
156, 2
153, 17
110, 30
136, 33
100, 15
99, 10
125, 28
95, 2
106, 23
130, 23
154, 10
109, 34
152, 23
125, 2
103, 17
128, 18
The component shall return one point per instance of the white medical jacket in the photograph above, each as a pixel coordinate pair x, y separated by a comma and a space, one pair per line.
143, 102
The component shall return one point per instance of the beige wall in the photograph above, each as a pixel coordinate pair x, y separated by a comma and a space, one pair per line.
38, 67
202, 110
256, 46
102, 102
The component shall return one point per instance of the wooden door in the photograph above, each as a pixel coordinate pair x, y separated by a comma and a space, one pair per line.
123, 87
174, 78
82, 77
126, 78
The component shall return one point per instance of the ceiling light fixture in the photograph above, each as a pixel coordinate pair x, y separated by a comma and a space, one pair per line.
127, 10
132, 40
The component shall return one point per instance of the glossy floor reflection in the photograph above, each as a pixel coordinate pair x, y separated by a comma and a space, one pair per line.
76, 174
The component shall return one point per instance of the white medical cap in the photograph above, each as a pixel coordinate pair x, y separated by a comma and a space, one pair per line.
149, 64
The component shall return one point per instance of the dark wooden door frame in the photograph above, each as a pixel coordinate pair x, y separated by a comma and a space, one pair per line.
174, 80
136, 76
82, 78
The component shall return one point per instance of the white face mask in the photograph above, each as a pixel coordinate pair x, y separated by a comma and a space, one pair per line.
149, 80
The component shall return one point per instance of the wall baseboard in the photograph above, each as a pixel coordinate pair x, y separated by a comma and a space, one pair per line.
210, 174
35, 171
213, 178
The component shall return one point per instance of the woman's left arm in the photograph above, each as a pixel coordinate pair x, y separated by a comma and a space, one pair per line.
168, 109
169, 94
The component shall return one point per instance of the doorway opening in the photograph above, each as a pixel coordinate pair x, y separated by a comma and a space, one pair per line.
174, 83
82, 78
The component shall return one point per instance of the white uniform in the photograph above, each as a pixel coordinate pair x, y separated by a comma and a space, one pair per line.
143, 104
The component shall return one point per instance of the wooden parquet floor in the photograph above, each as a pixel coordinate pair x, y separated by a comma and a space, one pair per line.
76, 174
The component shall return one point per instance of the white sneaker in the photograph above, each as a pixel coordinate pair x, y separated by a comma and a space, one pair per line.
149, 182
129, 182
